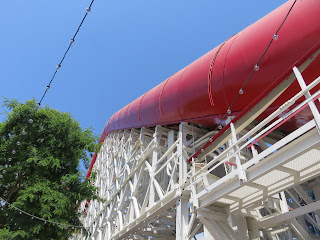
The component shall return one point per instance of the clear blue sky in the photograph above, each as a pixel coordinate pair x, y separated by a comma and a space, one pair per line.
123, 49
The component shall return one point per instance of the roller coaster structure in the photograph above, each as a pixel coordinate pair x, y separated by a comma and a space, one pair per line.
176, 162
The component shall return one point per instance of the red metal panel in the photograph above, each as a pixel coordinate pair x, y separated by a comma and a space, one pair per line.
127, 116
158, 110
193, 91
122, 115
169, 101
296, 37
184, 96
147, 105
133, 113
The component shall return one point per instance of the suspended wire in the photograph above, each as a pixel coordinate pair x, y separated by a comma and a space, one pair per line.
34, 217
38, 218
274, 38
65, 54
88, 10
256, 68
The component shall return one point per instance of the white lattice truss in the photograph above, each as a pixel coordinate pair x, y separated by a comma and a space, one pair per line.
233, 190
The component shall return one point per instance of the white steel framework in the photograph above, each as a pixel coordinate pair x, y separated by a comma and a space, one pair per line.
253, 182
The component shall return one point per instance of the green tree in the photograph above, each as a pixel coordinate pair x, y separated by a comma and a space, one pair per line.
40, 152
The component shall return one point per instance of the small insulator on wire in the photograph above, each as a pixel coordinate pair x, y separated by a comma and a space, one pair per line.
256, 68
72, 41
241, 91
48, 87
229, 111
58, 67
275, 37
88, 9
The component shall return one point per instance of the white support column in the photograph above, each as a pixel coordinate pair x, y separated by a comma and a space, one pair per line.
253, 230
170, 166
109, 230
316, 192
242, 228
182, 217
154, 165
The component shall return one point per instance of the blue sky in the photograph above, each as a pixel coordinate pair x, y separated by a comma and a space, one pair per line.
123, 49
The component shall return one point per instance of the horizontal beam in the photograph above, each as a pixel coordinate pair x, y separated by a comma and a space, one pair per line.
289, 215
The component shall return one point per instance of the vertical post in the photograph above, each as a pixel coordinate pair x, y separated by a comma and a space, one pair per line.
109, 230
242, 227
155, 154
252, 229
182, 217
166, 177
241, 173
316, 192
99, 235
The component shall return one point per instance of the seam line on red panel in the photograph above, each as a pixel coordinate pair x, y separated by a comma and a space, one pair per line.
125, 118
210, 74
140, 105
160, 97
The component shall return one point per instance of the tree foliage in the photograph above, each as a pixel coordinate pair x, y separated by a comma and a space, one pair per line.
40, 152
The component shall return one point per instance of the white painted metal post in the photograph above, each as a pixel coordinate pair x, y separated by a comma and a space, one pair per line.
316, 192
242, 228
241, 173
182, 213
109, 230
253, 230
174, 173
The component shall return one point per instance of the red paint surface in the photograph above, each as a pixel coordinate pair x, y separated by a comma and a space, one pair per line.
185, 98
